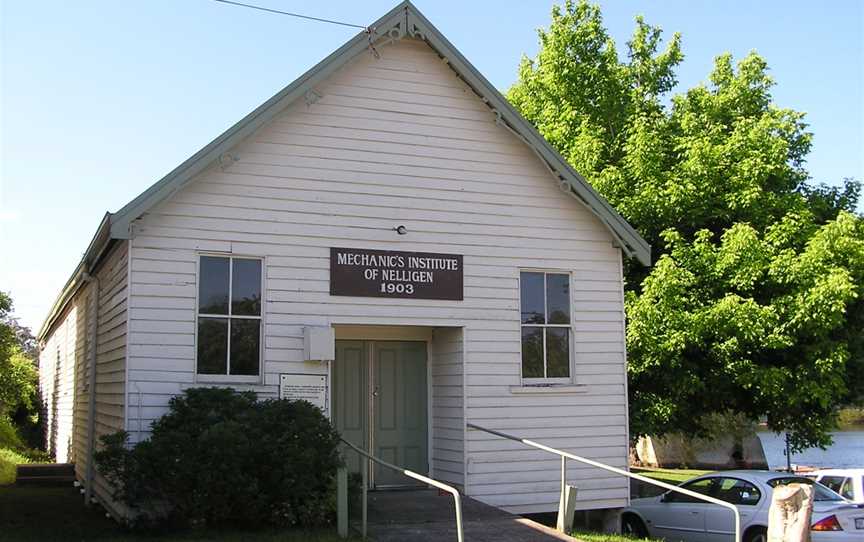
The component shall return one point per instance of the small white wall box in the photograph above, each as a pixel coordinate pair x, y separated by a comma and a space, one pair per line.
319, 343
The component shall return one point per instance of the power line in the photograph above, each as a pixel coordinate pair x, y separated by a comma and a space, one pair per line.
268, 10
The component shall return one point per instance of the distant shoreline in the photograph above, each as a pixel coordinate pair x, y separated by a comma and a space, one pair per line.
763, 428
848, 419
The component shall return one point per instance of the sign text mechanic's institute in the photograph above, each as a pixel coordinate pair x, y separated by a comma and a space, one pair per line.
388, 273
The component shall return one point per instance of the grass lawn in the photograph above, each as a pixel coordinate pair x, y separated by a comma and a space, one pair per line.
587, 536
670, 476
54, 514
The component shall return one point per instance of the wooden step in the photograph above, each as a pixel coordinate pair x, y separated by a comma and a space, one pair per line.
45, 474
53, 481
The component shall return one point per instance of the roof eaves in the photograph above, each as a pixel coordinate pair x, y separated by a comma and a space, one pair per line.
202, 159
95, 250
635, 245
410, 21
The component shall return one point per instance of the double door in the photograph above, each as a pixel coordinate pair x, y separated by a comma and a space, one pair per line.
380, 404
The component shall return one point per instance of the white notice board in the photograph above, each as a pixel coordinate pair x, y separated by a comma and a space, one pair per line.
312, 388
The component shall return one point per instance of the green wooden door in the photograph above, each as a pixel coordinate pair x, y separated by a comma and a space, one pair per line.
396, 403
351, 397
400, 429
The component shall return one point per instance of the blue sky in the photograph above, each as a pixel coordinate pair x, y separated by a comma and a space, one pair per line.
99, 99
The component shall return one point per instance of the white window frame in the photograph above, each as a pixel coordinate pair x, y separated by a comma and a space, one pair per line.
229, 378
535, 381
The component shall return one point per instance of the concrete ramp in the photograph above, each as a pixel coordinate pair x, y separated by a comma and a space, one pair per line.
426, 516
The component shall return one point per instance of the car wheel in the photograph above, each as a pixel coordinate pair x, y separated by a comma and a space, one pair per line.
631, 525
756, 534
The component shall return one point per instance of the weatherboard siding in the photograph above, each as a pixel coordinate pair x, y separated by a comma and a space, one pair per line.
64, 366
390, 141
57, 384
446, 362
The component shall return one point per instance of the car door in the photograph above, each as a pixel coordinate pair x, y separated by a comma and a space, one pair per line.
682, 517
719, 521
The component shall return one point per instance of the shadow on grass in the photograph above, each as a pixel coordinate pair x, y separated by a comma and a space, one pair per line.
588, 536
58, 513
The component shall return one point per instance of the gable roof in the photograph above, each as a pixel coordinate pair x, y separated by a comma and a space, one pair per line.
405, 20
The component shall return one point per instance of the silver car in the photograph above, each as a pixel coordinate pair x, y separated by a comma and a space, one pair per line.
675, 516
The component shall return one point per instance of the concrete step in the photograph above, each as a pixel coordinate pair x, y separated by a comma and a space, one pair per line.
45, 474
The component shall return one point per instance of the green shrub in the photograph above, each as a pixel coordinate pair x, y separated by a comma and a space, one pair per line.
9, 460
8, 434
222, 457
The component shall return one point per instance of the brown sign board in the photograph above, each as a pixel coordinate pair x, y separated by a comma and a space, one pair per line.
388, 273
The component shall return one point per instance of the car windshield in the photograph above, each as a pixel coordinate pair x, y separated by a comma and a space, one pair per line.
820, 492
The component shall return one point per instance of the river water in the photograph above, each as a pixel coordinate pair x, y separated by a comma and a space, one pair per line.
846, 452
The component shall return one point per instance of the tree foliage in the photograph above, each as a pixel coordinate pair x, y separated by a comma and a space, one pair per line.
754, 303
18, 376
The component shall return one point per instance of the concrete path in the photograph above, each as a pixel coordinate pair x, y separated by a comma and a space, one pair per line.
425, 516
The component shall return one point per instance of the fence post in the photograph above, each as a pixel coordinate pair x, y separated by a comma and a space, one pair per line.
562, 499
365, 503
342, 502
790, 513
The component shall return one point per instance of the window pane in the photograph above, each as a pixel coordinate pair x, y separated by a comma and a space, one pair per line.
245, 343
532, 352
557, 352
246, 288
838, 484
846, 490
703, 486
213, 287
735, 491
532, 298
212, 346
821, 493
832, 482
558, 298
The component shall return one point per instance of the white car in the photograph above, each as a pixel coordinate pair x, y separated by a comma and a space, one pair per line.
675, 516
849, 483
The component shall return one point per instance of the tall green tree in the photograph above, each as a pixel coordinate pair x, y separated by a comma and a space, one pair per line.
754, 302
18, 374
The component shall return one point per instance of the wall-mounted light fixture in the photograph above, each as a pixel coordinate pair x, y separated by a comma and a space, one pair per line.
400, 229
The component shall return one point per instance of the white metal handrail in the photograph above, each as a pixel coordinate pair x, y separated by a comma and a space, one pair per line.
457, 499
565, 455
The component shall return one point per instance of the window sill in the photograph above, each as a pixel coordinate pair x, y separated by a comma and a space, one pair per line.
549, 389
226, 380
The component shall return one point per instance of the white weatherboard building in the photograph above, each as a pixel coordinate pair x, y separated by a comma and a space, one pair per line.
388, 238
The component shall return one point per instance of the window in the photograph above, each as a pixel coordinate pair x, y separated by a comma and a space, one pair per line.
545, 302
704, 486
838, 484
735, 491
229, 316
820, 492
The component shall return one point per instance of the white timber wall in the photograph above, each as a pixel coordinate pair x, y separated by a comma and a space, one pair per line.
448, 414
65, 364
390, 141
57, 384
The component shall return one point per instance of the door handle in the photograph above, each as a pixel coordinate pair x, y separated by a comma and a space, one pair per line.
375, 392
694, 512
